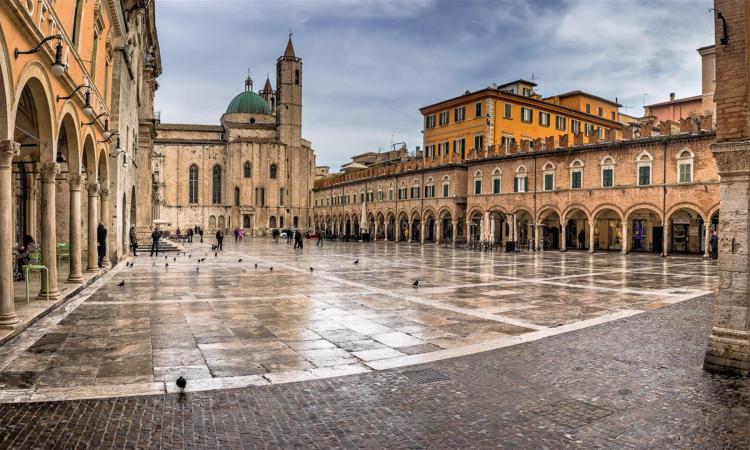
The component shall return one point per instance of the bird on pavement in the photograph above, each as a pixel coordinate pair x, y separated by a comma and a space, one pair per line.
356, 262
271, 269
165, 256
216, 254
153, 263
174, 259
240, 260
256, 265
311, 269
190, 255
197, 269
166, 265
121, 283
416, 283
181, 383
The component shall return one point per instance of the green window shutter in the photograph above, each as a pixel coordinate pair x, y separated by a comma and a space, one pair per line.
515, 184
496, 186
548, 182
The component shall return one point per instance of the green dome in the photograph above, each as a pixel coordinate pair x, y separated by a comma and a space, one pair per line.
248, 102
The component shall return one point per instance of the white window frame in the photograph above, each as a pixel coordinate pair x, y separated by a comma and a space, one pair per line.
576, 167
548, 169
608, 162
544, 119
459, 114
521, 174
644, 159
563, 120
527, 111
445, 117
430, 121
497, 175
477, 177
575, 126
683, 160
508, 111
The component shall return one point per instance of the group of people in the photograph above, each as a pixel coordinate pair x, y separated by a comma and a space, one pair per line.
239, 234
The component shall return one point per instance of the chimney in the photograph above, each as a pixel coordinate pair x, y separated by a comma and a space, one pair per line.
671, 96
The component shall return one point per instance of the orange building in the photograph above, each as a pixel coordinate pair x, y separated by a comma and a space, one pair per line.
511, 117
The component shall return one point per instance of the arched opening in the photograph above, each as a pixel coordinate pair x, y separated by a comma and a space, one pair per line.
212, 222
429, 228
524, 229
295, 222
222, 222
403, 224
391, 228
498, 228
281, 221
475, 226
646, 231
247, 221
193, 184
416, 224
550, 222
216, 185
272, 222
685, 231
247, 170
577, 229
446, 233
607, 230
237, 196
272, 171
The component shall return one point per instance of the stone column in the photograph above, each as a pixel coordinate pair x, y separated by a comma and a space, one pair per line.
667, 239
93, 190
8, 149
468, 229
624, 239
729, 344
75, 182
104, 197
515, 229
563, 238
486, 227
592, 229
375, 235
706, 239
421, 231
539, 244
491, 236
48, 238
438, 230
454, 230
398, 231
408, 237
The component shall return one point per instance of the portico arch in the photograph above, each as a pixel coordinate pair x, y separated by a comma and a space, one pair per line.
644, 228
577, 229
7, 151
549, 220
685, 229
607, 228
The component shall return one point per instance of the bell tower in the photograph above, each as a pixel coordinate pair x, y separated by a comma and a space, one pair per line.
289, 97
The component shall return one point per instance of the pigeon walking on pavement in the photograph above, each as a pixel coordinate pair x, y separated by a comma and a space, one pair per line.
121, 283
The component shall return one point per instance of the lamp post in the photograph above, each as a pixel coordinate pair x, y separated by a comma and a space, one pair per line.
58, 68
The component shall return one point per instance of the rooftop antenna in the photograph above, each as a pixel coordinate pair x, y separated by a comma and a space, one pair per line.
644, 99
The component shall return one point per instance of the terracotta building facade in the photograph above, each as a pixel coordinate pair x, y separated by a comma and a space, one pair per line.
652, 194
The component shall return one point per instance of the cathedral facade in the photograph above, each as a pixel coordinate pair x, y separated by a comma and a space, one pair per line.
253, 171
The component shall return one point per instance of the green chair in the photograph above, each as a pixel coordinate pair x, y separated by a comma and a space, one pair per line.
34, 265
63, 252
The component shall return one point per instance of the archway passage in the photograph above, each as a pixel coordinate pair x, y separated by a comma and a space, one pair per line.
577, 229
429, 228
391, 228
475, 226
686, 231
607, 230
550, 229
403, 231
524, 229
646, 231
446, 222
498, 227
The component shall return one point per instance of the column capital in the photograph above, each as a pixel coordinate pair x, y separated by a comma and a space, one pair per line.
93, 189
76, 182
103, 193
732, 157
8, 149
48, 171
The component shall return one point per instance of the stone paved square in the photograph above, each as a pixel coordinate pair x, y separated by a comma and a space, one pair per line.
222, 319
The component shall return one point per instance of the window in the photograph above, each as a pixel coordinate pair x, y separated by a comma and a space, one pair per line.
549, 181
520, 182
508, 112
526, 92
380, 195
459, 114
644, 175
496, 181
193, 184
600, 132
478, 109
429, 121
415, 192
478, 142
478, 186
444, 118
77, 14
296, 77
588, 108
685, 166
272, 171
247, 170
527, 115
236, 196
507, 141
390, 194
613, 115
601, 112
575, 179
560, 123
94, 54
589, 129
459, 147
402, 193
281, 196
575, 126
429, 191
644, 168
608, 171
369, 196
216, 185
543, 119
443, 148
445, 189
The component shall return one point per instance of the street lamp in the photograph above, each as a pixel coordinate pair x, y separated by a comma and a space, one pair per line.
87, 108
57, 67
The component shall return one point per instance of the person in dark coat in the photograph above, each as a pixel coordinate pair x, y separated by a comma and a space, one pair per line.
220, 239
320, 239
190, 235
133, 241
582, 239
101, 243
200, 232
155, 237
714, 245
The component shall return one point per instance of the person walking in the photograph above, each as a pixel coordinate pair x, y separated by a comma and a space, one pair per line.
133, 241
190, 235
320, 240
220, 239
200, 232
581, 239
155, 237
236, 234
101, 244
714, 245
242, 234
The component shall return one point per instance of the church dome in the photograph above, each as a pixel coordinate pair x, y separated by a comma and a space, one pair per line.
248, 102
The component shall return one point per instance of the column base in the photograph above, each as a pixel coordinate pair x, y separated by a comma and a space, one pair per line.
75, 279
563, 250
92, 270
8, 320
665, 254
706, 256
624, 252
53, 295
728, 352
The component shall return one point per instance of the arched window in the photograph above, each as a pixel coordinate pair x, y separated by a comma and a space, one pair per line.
246, 222
272, 171
236, 196
496, 180
685, 166
521, 181
576, 174
296, 76
549, 176
608, 171
247, 170
212, 222
272, 222
643, 161
222, 222
478, 183
216, 185
193, 184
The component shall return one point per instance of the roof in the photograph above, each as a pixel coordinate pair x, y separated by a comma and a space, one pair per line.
354, 165
289, 52
577, 92
677, 100
520, 80
248, 102
267, 87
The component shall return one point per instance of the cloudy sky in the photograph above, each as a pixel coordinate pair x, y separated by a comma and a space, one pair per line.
369, 65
